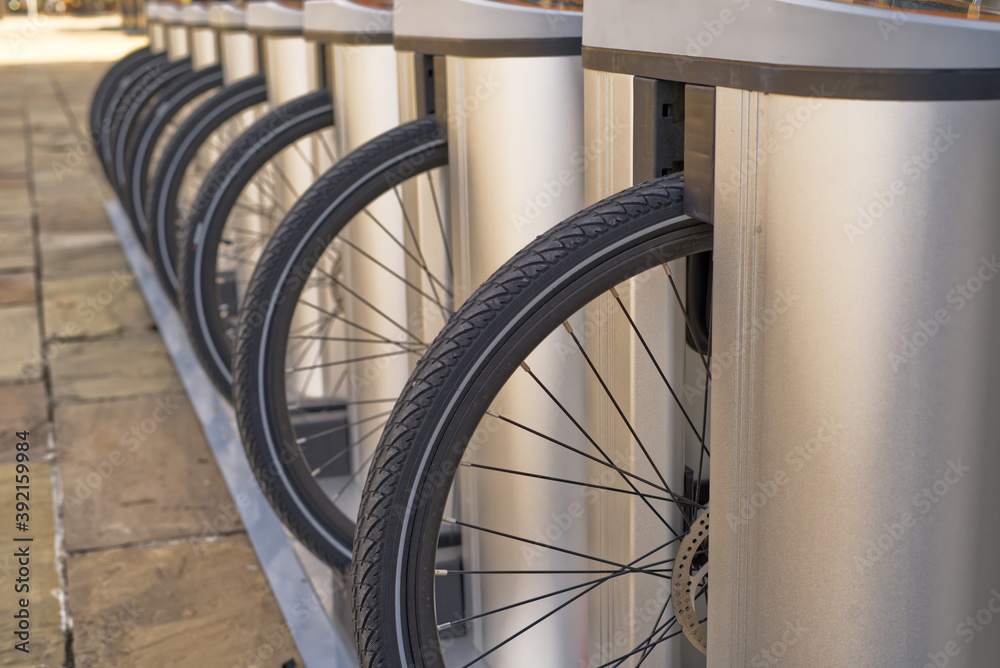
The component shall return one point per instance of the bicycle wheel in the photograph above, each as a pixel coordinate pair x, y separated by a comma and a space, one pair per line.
135, 106
132, 92
122, 69
567, 393
246, 194
118, 100
184, 165
332, 323
143, 152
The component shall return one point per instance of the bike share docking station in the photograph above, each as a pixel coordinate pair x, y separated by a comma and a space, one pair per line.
201, 36
154, 26
178, 41
360, 67
504, 80
237, 48
847, 155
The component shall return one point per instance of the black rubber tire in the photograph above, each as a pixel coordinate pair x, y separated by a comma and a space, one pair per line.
454, 384
132, 92
227, 179
140, 151
259, 388
136, 107
109, 83
113, 105
161, 199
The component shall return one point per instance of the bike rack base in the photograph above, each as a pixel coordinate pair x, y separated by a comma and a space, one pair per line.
302, 585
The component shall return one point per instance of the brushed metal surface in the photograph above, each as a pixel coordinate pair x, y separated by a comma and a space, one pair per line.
809, 33
855, 383
608, 146
204, 51
621, 528
238, 55
157, 37
178, 44
514, 127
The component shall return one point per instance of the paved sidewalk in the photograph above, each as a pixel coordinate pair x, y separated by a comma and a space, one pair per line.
137, 555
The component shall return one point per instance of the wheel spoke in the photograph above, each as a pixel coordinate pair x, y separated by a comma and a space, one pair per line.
539, 476
560, 607
618, 408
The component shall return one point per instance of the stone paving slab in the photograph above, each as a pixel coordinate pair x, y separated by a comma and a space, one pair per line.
94, 305
46, 643
17, 288
136, 470
23, 407
16, 201
56, 215
21, 347
173, 606
105, 369
16, 249
151, 580
80, 254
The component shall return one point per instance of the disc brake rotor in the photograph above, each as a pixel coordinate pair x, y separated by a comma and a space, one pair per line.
685, 584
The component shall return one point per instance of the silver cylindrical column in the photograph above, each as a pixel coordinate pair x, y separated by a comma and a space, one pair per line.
204, 51
362, 76
426, 202
155, 28
290, 69
177, 38
366, 96
238, 48
514, 125
619, 619
857, 296
853, 316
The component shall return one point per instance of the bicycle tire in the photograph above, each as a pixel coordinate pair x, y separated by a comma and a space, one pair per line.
259, 392
234, 170
453, 385
129, 100
136, 106
140, 154
161, 203
116, 103
109, 82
